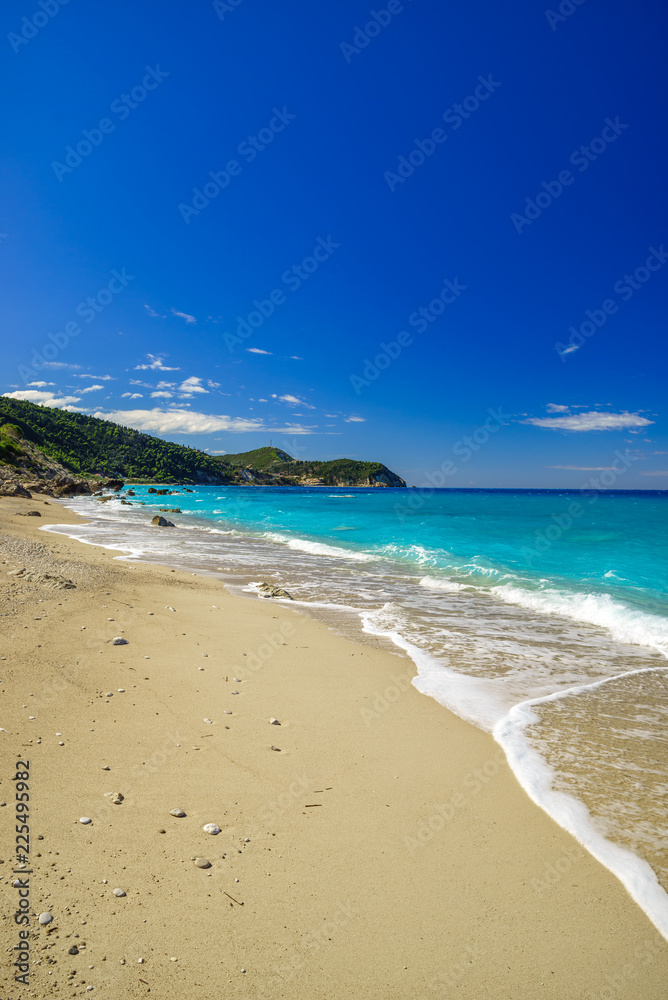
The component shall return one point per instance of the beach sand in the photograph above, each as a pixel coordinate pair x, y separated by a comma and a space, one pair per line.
384, 850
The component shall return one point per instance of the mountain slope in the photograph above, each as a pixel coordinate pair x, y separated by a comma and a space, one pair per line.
43, 441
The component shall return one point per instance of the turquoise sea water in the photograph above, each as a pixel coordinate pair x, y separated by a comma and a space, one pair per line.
540, 616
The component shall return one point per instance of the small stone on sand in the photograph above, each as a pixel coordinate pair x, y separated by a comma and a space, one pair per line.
208, 722
179, 813
119, 892
211, 828
119, 641
274, 722
202, 863
85, 820
45, 918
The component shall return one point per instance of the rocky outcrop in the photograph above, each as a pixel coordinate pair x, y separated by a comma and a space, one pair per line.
12, 489
271, 590
162, 522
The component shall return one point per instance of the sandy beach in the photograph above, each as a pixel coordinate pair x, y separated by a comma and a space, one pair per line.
372, 845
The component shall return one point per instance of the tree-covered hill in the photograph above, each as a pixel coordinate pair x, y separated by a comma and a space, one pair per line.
87, 446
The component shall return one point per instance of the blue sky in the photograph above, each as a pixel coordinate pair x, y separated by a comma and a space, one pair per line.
373, 235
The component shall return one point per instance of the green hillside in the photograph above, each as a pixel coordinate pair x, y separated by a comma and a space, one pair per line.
33, 438
88, 446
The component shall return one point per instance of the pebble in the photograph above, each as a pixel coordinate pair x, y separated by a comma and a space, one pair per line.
116, 797
208, 722
119, 893
237, 680
227, 712
73, 950
177, 812
202, 863
211, 828
60, 743
119, 641
121, 690
274, 722
105, 768
45, 918
85, 820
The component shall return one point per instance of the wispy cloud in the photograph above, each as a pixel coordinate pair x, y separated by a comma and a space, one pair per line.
291, 400
40, 385
162, 394
183, 421
257, 350
132, 395
185, 316
97, 378
92, 388
355, 420
570, 349
591, 421
655, 472
556, 408
191, 385
43, 398
57, 364
152, 312
154, 362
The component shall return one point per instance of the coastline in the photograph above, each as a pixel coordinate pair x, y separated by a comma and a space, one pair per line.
420, 867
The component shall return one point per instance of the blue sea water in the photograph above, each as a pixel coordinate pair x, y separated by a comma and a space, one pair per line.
540, 616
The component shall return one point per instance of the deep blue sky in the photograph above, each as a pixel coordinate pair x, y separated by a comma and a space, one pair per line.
550, 89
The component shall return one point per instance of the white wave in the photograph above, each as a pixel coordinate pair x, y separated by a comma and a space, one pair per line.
435, 583
537, 779
624, 623
318, 548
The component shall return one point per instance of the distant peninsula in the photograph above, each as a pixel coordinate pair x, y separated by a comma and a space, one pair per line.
71, 451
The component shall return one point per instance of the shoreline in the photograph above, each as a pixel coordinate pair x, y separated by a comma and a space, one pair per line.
419, 852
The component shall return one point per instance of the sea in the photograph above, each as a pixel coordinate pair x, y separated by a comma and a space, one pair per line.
540, 616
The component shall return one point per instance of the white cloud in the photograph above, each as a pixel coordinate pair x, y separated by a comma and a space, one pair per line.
192, 384
154, 363
132, 395
212, 385
355, 420
257, 350
291, 400
152, 312
97, 378
569, 349
655, 472
92, 388
57, 364
294, 357
592, 421
43, 398
183, 421
556, 408
185, 316
162, 395
40, 385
